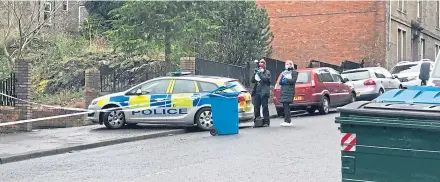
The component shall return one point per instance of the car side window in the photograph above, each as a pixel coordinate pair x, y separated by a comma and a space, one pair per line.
325, 76
378, 73
155, 87
336, 76
386, 73
207, 87
184, 86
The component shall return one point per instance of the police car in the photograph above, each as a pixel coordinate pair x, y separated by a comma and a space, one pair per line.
167, 100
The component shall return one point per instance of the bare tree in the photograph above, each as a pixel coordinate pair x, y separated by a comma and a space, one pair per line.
21, 24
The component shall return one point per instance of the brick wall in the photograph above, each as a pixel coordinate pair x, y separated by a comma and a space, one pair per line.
10, 114
188, 64
328, 31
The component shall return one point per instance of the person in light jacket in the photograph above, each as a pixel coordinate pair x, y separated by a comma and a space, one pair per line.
287, 92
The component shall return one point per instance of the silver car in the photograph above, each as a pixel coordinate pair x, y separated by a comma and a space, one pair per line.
168, 100
370, 82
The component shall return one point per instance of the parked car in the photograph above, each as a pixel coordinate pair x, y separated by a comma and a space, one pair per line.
169, 100
408, 72
317, 89
370, 82
434, 79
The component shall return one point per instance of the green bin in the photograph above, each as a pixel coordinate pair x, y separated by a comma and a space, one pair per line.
394, 142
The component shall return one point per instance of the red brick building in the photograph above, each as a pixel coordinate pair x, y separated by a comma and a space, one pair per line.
328, 31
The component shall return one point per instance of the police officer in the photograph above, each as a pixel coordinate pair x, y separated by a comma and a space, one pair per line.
261, 92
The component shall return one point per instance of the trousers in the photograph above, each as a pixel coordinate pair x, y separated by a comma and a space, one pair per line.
261, 101
287, 115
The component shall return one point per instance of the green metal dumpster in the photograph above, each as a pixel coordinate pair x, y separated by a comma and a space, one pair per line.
390, 141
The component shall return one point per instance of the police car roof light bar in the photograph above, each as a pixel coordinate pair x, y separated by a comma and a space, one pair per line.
180, 73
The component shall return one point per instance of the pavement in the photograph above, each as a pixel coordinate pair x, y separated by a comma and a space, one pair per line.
308, 152
40, 143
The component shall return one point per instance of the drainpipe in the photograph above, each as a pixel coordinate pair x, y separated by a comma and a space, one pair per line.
389, 26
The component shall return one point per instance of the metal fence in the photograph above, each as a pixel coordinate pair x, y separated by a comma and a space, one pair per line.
7, 86
242, 73
117, 79
345, 65
213, 68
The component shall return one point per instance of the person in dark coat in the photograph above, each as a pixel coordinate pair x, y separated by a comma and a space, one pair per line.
287, 92
261, 92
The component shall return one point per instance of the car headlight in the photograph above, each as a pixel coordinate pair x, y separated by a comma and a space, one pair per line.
94, 102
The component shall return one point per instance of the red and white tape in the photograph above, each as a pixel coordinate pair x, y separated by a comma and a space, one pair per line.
348, 142
87, 111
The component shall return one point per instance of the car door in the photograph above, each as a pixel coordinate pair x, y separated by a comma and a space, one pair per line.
381, 79
327, 79
152, 103
344, 94
183, 94
393, 83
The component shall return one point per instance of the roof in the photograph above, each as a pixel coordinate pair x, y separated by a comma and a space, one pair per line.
359, 69
199, 78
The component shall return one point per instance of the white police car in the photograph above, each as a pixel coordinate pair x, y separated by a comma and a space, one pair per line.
167, 100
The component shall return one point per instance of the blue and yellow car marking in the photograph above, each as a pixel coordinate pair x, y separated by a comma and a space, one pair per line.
160, 100
141, 101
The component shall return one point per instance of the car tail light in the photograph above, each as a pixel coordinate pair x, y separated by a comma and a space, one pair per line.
369, 82
313, 83
241, 98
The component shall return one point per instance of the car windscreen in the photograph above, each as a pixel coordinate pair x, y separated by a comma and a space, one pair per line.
356, 75
407, 68
303, 77
238, 86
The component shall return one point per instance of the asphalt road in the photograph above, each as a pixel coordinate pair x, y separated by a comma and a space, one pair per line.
308, 152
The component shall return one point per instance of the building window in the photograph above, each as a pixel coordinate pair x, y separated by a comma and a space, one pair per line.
437, 50
47, 10
65, 5
401, 45
81, 15
401, 5
422, 49
419, 9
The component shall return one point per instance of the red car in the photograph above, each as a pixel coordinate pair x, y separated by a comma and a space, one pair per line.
316, 89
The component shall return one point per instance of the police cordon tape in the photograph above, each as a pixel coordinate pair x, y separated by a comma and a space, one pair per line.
87, 111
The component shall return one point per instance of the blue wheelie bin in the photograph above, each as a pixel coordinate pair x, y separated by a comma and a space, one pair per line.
224, 111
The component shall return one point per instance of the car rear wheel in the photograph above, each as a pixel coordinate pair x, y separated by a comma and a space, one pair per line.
114, 119
204, 119
353, 98
280, 112
325, 106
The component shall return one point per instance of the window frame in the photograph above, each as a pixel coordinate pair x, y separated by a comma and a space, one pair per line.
386, 73
334, 74
66, 4
48, 22
199, 83
196, 90
377, 71
133, 90
422, 48
320, 72
401, 44
419, 9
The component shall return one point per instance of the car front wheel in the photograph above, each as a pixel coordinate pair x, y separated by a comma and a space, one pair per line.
114, 119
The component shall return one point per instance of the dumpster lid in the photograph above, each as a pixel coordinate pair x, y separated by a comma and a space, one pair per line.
407, 110
414, 94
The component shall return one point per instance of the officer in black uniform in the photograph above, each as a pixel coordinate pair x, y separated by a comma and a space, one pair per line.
261, 92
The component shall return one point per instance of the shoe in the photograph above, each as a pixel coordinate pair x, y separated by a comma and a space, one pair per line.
284, 124
266, 123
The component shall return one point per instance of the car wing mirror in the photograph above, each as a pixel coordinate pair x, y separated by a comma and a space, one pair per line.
345, 80
424, 71
138, 92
